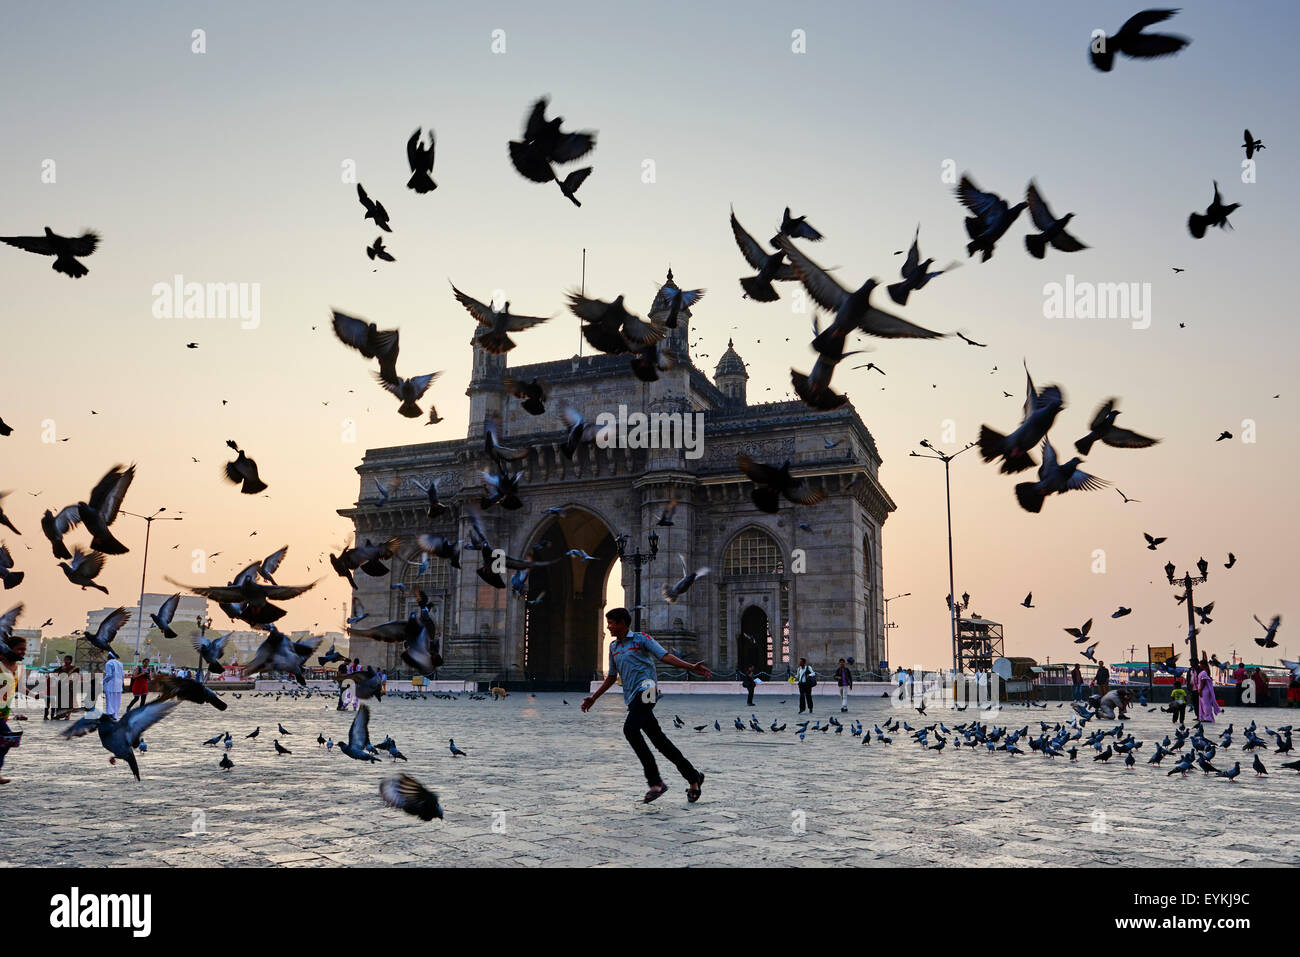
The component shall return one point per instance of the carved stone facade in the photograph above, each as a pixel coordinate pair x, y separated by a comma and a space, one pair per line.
804, 582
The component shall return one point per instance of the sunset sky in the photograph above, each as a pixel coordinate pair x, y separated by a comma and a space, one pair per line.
226, 167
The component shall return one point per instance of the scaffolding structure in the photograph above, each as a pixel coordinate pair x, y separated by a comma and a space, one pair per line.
979, 642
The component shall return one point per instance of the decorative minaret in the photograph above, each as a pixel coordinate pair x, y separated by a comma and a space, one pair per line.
487, 396
730, 376
676, 342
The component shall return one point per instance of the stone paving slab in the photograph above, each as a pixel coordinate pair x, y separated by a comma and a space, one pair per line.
545, 785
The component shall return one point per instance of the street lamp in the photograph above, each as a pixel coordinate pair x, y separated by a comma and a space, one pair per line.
888, 623
947, 491
637, 558
148, 527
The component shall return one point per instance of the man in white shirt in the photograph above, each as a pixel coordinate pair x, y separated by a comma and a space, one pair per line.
113, 675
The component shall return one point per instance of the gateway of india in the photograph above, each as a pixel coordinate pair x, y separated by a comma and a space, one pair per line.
805, 582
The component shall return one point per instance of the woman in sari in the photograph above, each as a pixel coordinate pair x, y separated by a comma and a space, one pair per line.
1208, 706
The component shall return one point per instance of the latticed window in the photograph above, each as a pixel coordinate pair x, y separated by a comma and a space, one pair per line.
436, 582
752, 552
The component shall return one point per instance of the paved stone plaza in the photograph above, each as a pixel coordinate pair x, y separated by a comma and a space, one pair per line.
570, 791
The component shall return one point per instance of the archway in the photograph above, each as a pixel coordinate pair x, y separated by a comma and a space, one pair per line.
562, 632
754, 647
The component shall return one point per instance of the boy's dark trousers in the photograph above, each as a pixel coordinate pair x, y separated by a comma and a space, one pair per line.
641, 717
805, 697
750, 689
1178, 711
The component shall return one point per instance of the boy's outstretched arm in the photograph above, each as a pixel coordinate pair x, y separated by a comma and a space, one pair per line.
696, 669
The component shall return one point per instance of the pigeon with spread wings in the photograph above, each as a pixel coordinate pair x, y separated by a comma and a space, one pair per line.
1055, 478
495, 323
420, 159
64, 249
852, 310
1133, 43
1103, 427
771, 483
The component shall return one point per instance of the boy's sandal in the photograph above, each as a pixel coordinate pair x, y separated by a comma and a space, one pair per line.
693, 792
656, 792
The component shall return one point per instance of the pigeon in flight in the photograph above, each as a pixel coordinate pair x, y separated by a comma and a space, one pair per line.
210, 650
120, 738
82, 569
109, 626
410, 391
991, 220
1088, 652
852, 310
532, 395
770, 266
1250, 144
1270, 632
1232, 560
358, 743
1055, 478
187, 689
1028, 602
772, 483
368, 340
1152, 541
1040, 411
243, 472
376, 250
1103, 427
1053, 229
1080, 634
1215, 215
544, 143
672, 301
1225, 434
166, 612
1203, 612
420, 159
796, 227
8, 576
407, 794
374, 210
495, 324
569, 185
101, 511
915, 273
1121, 612
1132, 42
1127, 499
64, 249
610, 328
677, 590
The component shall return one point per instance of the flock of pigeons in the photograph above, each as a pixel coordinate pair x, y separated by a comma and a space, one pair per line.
610, 328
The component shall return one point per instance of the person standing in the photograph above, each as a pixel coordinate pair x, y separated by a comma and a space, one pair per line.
11, 683
1103, 678
65, 684
633, 658
139, 685
1178, 702
1076, 678
1203, 688
844, 678
749, 683
113, 674
806, 678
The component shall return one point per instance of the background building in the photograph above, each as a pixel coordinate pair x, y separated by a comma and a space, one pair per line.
811, 573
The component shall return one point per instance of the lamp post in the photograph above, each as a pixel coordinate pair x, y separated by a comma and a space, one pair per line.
148, 527
888, 623
637, 558
947, 491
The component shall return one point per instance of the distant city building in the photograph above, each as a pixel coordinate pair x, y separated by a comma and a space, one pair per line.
190, 607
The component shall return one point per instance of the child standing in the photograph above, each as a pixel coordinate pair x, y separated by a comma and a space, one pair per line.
1178, 702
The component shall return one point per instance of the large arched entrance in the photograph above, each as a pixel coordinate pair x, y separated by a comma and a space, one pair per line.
563, 631
755, 644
